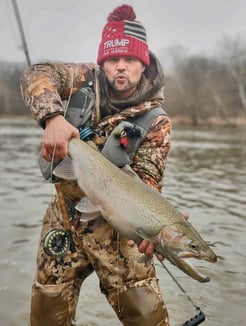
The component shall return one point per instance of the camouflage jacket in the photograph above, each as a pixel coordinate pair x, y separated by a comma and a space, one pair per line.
46, 86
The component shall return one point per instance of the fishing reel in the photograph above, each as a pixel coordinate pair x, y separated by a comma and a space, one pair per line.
56, 243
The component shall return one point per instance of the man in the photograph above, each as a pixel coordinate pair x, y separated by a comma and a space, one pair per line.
128, 84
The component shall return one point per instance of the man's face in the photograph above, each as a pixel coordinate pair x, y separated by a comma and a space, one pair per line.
123, 75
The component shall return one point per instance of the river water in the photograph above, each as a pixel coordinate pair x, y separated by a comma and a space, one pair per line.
205, 176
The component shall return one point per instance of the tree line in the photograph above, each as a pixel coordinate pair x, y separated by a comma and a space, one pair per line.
198, 88
203, 88
11, 102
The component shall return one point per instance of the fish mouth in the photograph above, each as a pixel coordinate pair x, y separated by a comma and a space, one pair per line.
193, 272
185, 265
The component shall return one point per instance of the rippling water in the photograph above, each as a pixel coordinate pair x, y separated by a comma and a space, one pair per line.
205, 176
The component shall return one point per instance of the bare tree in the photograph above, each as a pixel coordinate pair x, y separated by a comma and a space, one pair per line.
232, 51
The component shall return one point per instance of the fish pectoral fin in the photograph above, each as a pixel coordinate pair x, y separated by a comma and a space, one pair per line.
89, 217
65, 169
88, 210
146, 233
143, 259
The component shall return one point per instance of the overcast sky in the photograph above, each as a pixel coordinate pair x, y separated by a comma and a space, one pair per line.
70, 30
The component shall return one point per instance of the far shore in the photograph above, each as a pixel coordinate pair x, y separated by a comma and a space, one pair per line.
177, 121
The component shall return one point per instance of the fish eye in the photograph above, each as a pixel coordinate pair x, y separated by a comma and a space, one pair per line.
193, 246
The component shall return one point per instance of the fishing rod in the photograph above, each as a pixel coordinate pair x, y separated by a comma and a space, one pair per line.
22, 34
56, 242
199, 317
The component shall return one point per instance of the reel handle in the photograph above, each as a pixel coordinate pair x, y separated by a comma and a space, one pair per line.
196, 320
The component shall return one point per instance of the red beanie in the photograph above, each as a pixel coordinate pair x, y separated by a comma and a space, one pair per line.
123, 36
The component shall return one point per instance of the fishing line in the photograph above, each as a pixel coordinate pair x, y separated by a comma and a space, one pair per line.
65, 107
70, 94
198, 318
117, 266
52, 162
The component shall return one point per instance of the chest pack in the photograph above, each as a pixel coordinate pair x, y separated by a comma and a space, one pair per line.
127, 136
122, 143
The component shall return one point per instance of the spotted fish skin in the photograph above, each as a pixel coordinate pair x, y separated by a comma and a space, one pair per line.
135, 209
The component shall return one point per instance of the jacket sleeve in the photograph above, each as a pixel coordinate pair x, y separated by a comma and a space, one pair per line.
150, 159
44, 87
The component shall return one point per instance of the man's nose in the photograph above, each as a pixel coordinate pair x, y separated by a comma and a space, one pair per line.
121, 64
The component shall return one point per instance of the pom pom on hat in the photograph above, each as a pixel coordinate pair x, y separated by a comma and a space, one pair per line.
123, 36
121, 13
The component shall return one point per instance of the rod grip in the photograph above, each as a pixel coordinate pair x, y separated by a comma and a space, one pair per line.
63, 206
66, 220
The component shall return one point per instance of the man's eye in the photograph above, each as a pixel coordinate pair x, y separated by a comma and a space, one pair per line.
130, 59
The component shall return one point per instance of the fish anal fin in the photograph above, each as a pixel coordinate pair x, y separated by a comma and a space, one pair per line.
88, 210
65, 169
143, 259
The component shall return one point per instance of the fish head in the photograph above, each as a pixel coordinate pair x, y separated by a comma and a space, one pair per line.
180, 241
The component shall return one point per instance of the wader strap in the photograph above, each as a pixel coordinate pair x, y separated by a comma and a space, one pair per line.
97, 98
81, 105
134, 130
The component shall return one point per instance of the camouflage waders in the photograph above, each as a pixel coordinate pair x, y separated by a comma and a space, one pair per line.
131, 288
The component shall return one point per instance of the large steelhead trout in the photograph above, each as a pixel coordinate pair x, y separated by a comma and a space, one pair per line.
133, 208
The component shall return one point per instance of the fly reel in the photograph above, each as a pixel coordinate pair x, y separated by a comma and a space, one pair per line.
56, 243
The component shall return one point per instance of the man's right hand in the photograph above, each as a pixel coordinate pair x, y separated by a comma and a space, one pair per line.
58, 131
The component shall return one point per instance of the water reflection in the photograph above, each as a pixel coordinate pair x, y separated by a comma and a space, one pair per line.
205, 176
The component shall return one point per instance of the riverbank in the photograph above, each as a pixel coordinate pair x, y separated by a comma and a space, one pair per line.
213, 121
177, 121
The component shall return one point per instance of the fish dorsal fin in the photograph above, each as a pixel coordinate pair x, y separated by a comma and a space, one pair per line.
65, 169
88, 210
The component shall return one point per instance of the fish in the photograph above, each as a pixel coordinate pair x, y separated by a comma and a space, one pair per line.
133, 208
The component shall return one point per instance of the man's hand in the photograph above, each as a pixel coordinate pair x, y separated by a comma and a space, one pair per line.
147, 247
58, 131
